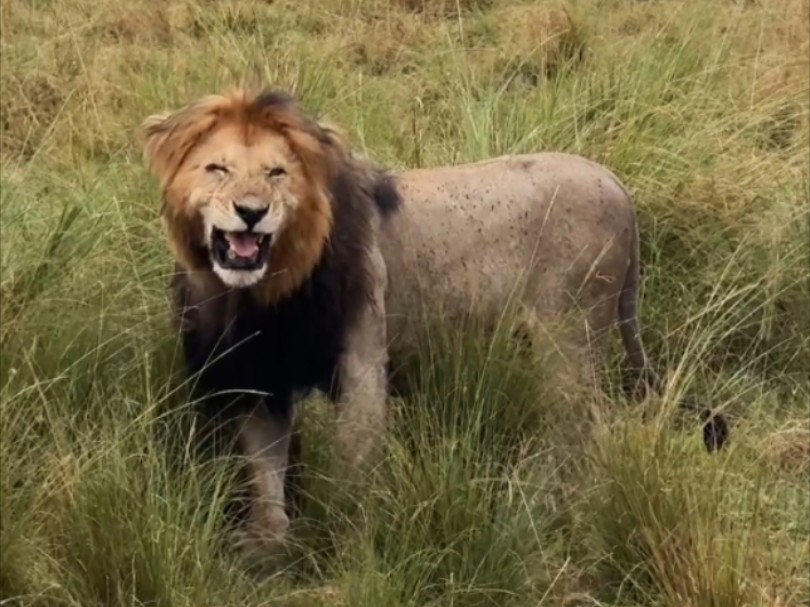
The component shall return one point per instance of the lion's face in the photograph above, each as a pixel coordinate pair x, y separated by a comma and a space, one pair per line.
244, 192
245, 186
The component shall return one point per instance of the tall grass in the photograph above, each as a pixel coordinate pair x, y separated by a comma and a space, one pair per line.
499, 486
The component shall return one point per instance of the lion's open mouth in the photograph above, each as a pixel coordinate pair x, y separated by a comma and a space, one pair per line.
240, 250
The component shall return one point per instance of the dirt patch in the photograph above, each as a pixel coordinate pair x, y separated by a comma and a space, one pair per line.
27, 109
547, 34
138, 25
788, 449
447, 9
386, 46
527, 44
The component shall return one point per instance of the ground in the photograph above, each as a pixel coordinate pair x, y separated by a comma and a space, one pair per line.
494, 490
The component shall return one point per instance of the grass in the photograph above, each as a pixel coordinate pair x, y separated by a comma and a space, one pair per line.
497, 488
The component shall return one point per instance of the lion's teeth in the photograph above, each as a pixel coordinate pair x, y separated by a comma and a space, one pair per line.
231, 254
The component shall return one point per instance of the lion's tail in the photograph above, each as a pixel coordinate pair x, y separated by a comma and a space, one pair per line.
639, 375
637, 364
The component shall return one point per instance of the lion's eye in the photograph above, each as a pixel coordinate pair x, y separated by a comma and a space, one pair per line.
216, 168
276, 172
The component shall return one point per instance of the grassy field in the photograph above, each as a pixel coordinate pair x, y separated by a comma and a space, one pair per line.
492, 493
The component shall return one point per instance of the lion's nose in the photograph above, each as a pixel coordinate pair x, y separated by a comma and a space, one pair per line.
249, 215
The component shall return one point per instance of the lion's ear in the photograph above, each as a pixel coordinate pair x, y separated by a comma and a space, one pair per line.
319, 146
333, 136
153, 133
319, 153
168, 138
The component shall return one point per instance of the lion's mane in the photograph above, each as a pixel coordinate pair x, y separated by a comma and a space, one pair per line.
280, 343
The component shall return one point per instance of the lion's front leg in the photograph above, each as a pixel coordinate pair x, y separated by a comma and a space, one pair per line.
264, 438
362, 391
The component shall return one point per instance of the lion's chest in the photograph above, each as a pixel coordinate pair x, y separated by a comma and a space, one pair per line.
279, 352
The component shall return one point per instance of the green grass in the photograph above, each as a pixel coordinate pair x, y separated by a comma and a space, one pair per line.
498, 488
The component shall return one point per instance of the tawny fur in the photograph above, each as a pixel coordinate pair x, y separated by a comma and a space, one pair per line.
369, 253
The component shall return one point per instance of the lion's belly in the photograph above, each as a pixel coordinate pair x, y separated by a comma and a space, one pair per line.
557, 224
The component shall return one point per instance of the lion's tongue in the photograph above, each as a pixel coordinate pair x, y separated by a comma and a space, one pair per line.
243, 244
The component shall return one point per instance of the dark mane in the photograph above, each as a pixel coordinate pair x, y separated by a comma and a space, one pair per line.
386, 195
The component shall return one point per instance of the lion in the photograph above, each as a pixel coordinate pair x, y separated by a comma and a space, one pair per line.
299, 266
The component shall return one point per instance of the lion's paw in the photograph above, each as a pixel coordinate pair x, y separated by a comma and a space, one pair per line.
358, 449
264, 534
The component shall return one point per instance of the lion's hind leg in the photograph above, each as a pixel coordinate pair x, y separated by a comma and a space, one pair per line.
565, 358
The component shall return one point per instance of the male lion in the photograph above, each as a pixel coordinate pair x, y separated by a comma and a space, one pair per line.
298, 262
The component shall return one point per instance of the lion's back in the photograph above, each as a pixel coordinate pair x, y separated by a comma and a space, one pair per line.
470, 231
